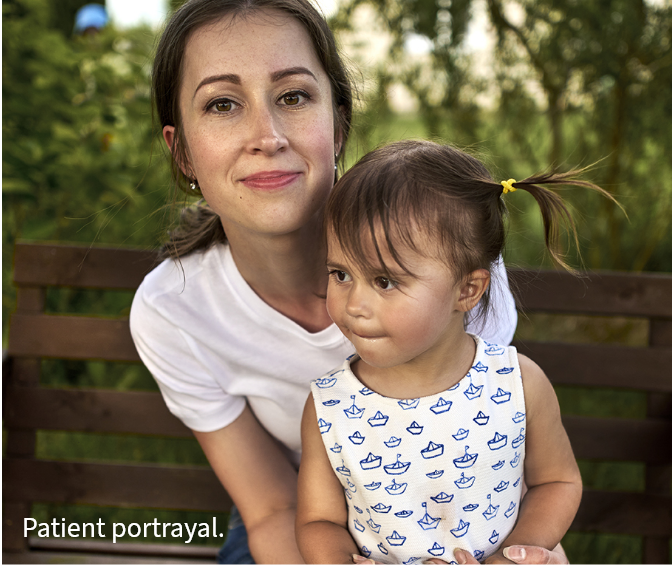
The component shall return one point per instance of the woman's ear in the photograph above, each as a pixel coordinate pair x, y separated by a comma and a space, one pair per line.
473, 288
168, 136
171, 140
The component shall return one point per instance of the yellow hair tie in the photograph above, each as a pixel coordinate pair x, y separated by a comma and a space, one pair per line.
508, 185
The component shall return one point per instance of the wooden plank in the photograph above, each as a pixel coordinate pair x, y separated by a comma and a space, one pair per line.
30, 299
71, 337
658, 478
660, 332
624, 513
80, 266
620, 439
12, 525
91, 410
597, 293
70, 558
609, 293
639, 368
130, 485
123, 548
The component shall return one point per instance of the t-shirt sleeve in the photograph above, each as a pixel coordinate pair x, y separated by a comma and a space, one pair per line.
188, 387
499, 324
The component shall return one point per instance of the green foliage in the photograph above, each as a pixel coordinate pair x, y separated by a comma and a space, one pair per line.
78, 136
574, 83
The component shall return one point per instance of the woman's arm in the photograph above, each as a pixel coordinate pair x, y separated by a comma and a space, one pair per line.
551, 473
262, 483
322, 517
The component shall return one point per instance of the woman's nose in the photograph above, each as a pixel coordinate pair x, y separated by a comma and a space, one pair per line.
266, 134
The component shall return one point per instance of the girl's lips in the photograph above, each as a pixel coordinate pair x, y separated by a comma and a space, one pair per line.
270, 180
365, 336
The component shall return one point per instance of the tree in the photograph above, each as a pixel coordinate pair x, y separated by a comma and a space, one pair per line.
574, 83
78, 135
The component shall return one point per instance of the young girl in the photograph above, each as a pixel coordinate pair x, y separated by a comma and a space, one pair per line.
427, 430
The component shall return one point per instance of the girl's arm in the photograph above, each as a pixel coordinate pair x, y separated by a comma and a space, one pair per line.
551, 473
322, 516
262, 483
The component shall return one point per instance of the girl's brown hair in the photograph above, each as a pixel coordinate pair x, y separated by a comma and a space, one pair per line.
399, 190
199, 226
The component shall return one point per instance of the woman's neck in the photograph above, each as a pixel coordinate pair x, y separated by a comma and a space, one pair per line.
288, 272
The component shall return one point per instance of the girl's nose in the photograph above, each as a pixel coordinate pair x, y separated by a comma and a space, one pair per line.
358, 304
266, 135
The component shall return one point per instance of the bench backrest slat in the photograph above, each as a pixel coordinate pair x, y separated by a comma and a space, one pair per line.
604, 293
71, 337
620, 439
618, 512
116, 485
92, 410
609, 366
81, 267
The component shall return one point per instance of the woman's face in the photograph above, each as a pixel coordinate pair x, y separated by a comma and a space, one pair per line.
257, 115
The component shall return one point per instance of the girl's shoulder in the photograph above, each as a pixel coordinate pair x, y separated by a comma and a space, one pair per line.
539, 392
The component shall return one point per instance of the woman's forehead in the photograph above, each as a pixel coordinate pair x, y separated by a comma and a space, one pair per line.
265, 38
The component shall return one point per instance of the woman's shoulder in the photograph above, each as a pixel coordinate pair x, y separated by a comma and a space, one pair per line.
182, 278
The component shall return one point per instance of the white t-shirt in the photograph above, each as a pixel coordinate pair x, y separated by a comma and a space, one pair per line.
212, 345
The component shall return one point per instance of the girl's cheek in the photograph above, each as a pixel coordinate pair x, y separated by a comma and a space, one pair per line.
332, 303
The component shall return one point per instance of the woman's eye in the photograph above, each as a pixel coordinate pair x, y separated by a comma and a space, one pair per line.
294, 98
385, 283
224, 105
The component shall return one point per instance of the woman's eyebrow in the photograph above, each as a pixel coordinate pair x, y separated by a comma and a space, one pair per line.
279, 75
235, 79
227, 78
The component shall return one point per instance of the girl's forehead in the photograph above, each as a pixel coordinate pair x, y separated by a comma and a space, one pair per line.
387, 247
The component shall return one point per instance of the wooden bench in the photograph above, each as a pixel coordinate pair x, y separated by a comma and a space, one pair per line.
30, 407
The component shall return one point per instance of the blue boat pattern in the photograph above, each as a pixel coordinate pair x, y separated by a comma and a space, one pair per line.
424, 476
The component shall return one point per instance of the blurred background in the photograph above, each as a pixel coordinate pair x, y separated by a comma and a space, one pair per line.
523, 83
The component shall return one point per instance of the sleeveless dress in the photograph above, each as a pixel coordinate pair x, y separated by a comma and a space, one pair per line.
424, 476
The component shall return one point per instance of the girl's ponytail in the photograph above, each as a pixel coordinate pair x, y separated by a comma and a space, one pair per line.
554, 212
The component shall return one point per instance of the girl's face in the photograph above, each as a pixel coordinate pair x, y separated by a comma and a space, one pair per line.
257, 118
398, 320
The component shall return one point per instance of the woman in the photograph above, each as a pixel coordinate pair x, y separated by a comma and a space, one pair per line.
255, 106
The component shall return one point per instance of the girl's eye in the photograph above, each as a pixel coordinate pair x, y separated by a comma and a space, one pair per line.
385, 283
294, 98
341, 276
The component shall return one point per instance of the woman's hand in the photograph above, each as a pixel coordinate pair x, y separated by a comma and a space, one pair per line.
518, 554
357, 559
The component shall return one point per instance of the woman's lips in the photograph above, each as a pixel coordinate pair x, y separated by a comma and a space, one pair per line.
270, 180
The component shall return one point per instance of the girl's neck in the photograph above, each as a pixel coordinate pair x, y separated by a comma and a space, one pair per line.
287, 271
425, 375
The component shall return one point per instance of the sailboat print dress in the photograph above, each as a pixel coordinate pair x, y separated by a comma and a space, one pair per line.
427, 475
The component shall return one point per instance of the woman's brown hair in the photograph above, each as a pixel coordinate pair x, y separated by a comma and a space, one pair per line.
399, 190
199, 226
